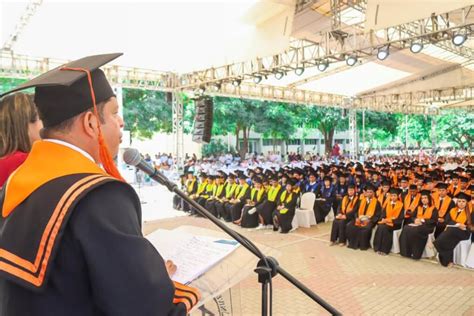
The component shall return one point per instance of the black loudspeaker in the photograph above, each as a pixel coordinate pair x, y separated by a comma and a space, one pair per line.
169, 97
344, 113
203, 121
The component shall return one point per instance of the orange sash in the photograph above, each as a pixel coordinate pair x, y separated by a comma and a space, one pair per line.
392, 212
460, 218
413, 204
442, 208
426, 214
370, 209
348, 206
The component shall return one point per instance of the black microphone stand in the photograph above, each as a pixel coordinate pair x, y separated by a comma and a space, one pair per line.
267, 267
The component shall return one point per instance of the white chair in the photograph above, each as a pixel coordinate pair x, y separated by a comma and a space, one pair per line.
430, 250
396, 241
461, 252
329, 217
470, 257
304, 216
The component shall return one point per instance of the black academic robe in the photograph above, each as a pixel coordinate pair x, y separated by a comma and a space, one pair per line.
282, 218
324, 202
251, 220
341, 190
211, 203
383, 238
230, 191
359, 236
443, 213
449, 239
191, 188
413, 238
266, 209
346, 207
103, 265
235, 209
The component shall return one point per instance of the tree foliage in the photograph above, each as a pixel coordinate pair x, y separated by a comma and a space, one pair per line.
456, 127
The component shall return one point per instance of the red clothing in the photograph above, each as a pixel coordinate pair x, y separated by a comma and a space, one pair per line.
9, 164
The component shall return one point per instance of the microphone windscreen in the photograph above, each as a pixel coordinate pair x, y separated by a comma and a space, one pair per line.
131, 156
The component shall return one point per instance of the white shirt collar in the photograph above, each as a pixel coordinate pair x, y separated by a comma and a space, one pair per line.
73, 147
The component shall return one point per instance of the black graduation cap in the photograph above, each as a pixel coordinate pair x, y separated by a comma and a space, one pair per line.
463, 196
441, 185
257, 180
386, 182
412, 187
425, 192
404, 179
464, 179
394, 191
291, 182
351, 186
369, 187
64, 92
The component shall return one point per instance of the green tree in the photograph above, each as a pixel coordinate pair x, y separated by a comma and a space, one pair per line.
326, 119
456, 127
380, 128
279, 121
146, 112
419, 129
6, 84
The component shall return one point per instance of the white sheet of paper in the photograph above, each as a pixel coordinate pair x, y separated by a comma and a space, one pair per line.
193, 255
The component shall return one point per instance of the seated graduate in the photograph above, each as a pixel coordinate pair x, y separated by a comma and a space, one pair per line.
444, 204
419, 225
249, 217
268, 206
459, 226
217, 193
200, 190
177, 200
411, 201
382, 193
325, 200
231, 190
204, 196
341, 189
359, 230
391, 219
191, 188
311, 185
285, 211
345, 213
234, 207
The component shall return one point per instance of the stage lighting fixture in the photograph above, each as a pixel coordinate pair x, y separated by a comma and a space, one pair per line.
279, 74
383, 53
323, 65
201, 90
299, 71
459, 39
236, 82
351, 60
257, 79
416, 47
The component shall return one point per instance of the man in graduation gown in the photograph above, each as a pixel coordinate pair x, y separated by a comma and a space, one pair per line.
249, 218
217, 193
70, 231
266, 209
234, 207
444, 204
325, 200
229, 193
419, 225
345, 214
391, 219
460, 221
191, 188
359, 230
285, 211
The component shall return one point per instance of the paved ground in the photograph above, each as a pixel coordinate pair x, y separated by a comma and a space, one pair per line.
355, 282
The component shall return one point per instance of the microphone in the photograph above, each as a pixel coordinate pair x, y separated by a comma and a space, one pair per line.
132, 157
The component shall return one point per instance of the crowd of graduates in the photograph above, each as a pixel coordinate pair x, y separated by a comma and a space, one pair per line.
369, 200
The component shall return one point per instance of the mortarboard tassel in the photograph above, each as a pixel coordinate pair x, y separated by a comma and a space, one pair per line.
104, 154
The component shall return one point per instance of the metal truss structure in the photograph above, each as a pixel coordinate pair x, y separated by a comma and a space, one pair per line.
336, 45
29, 12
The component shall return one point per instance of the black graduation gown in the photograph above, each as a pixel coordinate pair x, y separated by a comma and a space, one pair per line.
449, 239
284, 220
341, 191
413, 238
220, 206
235, 209
251, 220
358, 236
383, 238
266, 209
211, 203
190, 190
103, 265
338, 229
440, 227
323, 207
